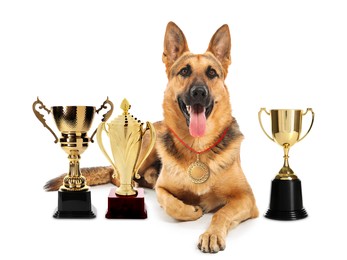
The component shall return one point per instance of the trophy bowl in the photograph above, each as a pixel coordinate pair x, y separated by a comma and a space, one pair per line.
286, 126
73, 122
73, 118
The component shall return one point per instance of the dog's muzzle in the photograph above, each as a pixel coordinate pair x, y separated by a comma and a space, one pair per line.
196, 105
198, 94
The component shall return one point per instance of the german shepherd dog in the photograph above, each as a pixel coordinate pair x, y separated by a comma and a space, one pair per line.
198, 127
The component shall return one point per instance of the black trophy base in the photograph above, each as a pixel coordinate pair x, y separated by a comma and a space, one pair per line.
286, 200
126, 207
74, 204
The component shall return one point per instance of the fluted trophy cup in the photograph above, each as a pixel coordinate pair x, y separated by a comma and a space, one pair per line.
125, 134
286, 192
73, 122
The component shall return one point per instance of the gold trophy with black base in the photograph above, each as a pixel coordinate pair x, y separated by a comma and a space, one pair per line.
125, 134
286, 193
74, 198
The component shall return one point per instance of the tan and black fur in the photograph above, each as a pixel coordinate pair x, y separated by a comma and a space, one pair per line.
226, 192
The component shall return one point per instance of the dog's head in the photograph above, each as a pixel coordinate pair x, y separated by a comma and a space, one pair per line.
196, 81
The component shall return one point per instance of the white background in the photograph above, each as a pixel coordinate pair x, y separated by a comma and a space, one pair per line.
286, 54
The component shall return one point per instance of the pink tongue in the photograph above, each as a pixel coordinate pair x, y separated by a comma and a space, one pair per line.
197, 124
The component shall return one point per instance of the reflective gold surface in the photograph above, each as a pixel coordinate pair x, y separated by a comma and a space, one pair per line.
286, 131
77, 119
125, 134
73, 122
198, 172
286, 126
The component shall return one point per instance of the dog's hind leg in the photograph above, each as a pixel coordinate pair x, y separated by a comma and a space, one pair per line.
94, 176
149, 175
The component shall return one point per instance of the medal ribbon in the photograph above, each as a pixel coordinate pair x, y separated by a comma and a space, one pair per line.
205, 150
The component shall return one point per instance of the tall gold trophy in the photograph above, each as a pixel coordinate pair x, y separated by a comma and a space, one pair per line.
73, 122
286, 195
125, 134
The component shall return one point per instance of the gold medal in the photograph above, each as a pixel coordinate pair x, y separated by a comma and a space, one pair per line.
198, 171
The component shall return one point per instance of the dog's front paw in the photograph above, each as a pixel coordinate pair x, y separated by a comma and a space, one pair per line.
191, 213
185, 212
211, 242
197, 212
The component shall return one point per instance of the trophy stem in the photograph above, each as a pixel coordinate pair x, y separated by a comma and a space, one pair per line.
286, 156
74, 181
126, 190
286, 173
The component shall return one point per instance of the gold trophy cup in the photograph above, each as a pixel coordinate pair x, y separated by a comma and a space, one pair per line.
125, 134
286, 195
73, 122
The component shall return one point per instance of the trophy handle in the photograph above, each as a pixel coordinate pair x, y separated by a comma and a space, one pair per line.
261, 124
105, 116
41, 118
309, 129
102, 127
150, 127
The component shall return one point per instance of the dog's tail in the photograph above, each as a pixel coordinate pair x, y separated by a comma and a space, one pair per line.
94, 176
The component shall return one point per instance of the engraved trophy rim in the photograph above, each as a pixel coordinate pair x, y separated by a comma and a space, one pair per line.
80, 106
285, 109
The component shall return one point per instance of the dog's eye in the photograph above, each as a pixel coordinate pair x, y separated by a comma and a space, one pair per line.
185, 72
211, 73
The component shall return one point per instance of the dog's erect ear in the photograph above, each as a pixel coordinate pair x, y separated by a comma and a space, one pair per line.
175, 45
220, 46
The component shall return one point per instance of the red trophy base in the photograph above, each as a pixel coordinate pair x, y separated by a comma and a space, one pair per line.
126, 207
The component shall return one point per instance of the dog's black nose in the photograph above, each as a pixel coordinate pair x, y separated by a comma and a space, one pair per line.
198, 93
